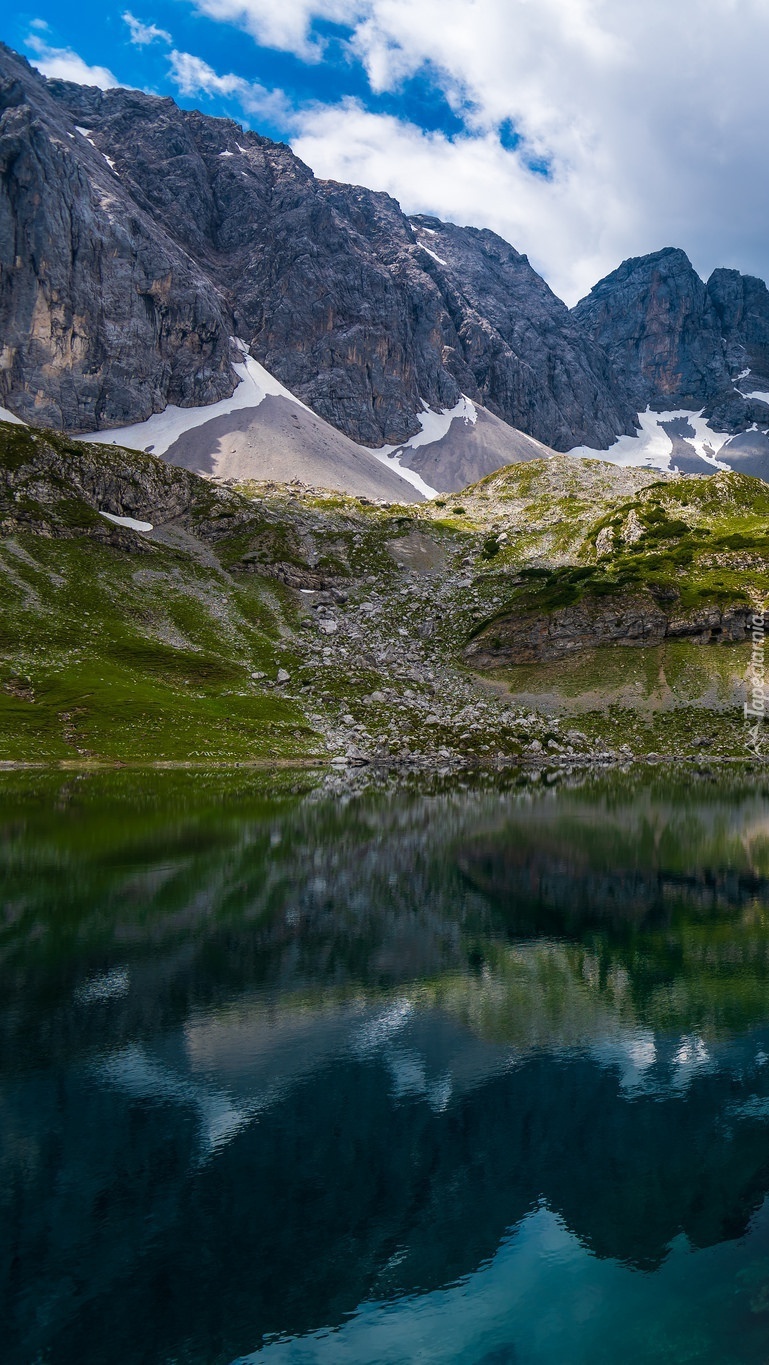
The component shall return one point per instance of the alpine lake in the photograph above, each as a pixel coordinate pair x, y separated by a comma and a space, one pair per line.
468, 1072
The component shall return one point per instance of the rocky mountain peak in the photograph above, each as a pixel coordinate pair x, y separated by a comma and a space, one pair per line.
103, 317
171, 230
656, 320
138, 239
742, 305
676, 342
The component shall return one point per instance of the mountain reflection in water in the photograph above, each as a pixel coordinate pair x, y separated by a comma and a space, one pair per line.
477, 1076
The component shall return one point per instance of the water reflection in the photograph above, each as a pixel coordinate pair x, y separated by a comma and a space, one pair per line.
473, 1076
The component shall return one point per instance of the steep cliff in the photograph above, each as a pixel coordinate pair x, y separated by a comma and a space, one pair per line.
656, 321
102, 317
137, 237
676, 342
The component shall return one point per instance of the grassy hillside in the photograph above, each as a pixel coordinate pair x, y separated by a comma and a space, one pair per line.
118, 645
690, 540
267, 623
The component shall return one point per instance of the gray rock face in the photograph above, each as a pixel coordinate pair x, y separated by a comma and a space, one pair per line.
677, 342
102, 318
659, 326
518, 349
335, 293
528, 637
741, 303
135, 252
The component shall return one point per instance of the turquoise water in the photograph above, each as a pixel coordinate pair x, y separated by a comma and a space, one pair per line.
454, 1076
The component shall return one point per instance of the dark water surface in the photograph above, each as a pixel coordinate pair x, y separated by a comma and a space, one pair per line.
480, 1076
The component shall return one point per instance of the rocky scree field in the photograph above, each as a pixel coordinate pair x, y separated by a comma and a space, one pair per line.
271, 623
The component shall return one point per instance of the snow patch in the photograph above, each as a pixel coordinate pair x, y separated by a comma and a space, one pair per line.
435, 425
706, 441
226, 153
434, 254
760, 394
161, 430
86, 133
7, 416
130, 522
386, 456
652, 447
743, 374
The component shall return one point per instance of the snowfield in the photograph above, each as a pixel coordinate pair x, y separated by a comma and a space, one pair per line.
160, 431
653, 447
7, 416
435, 426
130, 522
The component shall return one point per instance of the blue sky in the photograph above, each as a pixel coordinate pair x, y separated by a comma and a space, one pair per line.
583, 131
101, 36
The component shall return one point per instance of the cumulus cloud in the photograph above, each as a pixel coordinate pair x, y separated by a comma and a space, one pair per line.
194, 77
650, 117
283, 24
144, 34
61, 63
468, 179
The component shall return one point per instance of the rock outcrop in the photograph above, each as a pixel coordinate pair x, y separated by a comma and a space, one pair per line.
656, 321
526, 637
741, 303
48, 485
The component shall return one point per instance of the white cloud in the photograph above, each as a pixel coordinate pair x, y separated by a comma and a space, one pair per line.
652, 117
144, 34
61, 63
194, 77
283, 24
470, 180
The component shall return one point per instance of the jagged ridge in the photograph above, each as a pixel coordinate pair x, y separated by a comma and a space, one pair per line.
138, 250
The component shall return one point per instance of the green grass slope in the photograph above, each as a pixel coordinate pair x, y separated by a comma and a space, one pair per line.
572, 531
114, 645
268, 623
